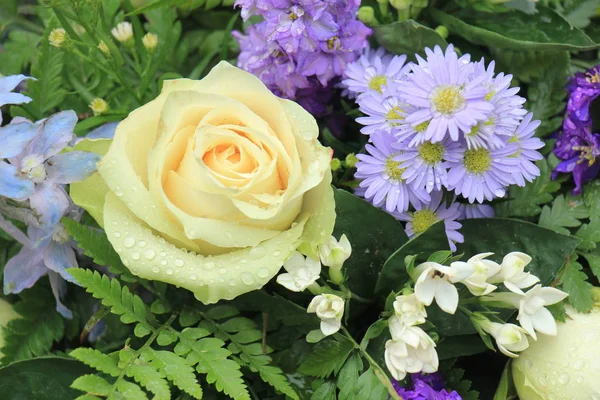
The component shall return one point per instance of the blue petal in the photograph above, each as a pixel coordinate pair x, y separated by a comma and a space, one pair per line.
23, 270
50, 202
8, 83
73, 166
11, 185
60, 257
106, 131
13, 98
15, 137
59, 287
56, 133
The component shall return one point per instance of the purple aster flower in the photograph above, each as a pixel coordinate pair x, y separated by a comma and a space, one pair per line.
7, 85
382, 176
580, 152
425, 166
583, 88
373, 70
483, 173
426, 387
44, 253
471, 211
527, 150
385, 111
426, 214
445, 94
47, 169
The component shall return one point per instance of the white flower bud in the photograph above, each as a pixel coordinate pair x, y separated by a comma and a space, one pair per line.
301, 272
104, 48
410, 310
482, 270
402, 357
330, 309
512, 273
333, 253
510, 338
123, 32
57, 37
150, 41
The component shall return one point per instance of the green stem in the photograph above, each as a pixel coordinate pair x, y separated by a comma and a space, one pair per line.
379, 372
92, 322
360, 299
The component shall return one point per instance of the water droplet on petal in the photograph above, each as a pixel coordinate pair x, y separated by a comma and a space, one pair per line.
179, 262
129, 242
135, 255
169, 271
163, 262
149, 254
162, 254
263, 273
117, 235
222, 271
142, 243
257, 252
156, 270
247, 278
209, 266
193, 277
276, 253
232, 282
564, 379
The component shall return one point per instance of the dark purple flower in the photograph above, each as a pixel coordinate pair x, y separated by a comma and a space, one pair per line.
583, 88
426, 387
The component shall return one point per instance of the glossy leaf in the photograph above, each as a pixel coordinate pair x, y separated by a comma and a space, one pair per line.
407, 37
544, 30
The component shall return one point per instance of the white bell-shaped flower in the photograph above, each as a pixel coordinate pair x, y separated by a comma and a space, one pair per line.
510, 338
434, 280
333, 253
301, 272
402, 357
330, 309
410, 310
482, 270
512, 273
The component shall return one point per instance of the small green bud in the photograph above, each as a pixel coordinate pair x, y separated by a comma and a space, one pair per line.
442, 31
336, 164
367, 15
401, 4
351, 160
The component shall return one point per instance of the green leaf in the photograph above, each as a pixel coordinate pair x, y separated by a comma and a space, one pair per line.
92, 384
131, 391
121, 301
158, 4
591, 197
393, 276
44, 378
327, 357
325, 392
177, 370
20, 48
277, 307
455, 381
589, 234
370, 387
506, 389
526, 201
407, 37
376, 329
566, 212
460, 346
348, 376
544, 30
374, 236
97, 360
580, 12
593, 260
574, 281
151, 379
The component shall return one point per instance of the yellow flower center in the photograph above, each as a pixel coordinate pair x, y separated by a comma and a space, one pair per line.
377, 82
422, 220
431, 153
593, 78
477, 161
394, 115
422, 127
489, 96
333, 43
474, 130
293, 17
448, 99
393, 170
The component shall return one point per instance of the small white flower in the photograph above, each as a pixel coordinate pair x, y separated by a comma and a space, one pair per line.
402, 358
99, 106
410, 310
301, 272
482, 269
330, 309
433, 280
150, 41
512, 273
123, 32
57, 37
412, 335
333, 253
510, 338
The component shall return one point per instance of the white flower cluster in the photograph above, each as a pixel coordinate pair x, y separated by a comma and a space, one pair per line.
411, 349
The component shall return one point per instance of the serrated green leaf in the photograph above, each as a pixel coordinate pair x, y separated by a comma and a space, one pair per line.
589, 234
151, 379
566, 212
97, 360
131, 391
327, 357
92, 384
325, 392
348, 376
222, 312
591, 197
177, 370
18, 51
574, 282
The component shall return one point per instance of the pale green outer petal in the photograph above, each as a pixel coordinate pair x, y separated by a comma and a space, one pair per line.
210, 278
90, 192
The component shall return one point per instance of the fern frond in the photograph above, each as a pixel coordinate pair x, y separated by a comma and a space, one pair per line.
97, 360
151, 379
130, 391
93, 385
121, 301
176, 369
327, 357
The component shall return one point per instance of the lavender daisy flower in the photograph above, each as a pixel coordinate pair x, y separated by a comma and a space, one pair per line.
445, 94
382, 176
471, 211
43, 164
7, 85
425, 166
427, 214
483, 173
527, 150
385, 111
46, 253
374, 70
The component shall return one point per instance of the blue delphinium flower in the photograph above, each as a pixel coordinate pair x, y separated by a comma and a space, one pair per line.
382, 176
445, 94
7, 85
426, 214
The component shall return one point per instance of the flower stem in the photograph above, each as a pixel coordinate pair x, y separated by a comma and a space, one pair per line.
379, 373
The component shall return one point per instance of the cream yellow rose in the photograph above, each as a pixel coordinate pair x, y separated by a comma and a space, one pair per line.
213, 185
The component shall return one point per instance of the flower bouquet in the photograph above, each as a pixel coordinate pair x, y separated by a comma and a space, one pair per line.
299, 199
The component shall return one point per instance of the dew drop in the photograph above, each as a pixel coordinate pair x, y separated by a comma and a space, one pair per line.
135, 255
129, 242
276, 253
222, 271
142, 244
169, 271
179, 262
244, 261
579, 379
193, 277
528, 363
578, 365
263, 273
257, 252
564, 379
115, 223
221, 280
149, 254
156, 270
135, 271
247, 278
117, 235
232, 282
162, 254
209, 266
163, 262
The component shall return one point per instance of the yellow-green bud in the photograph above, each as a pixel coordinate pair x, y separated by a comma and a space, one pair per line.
442, 31
99, 106
401, 4
150, 41
336, 164
367, 15
57, 37
351, 160
104, 48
